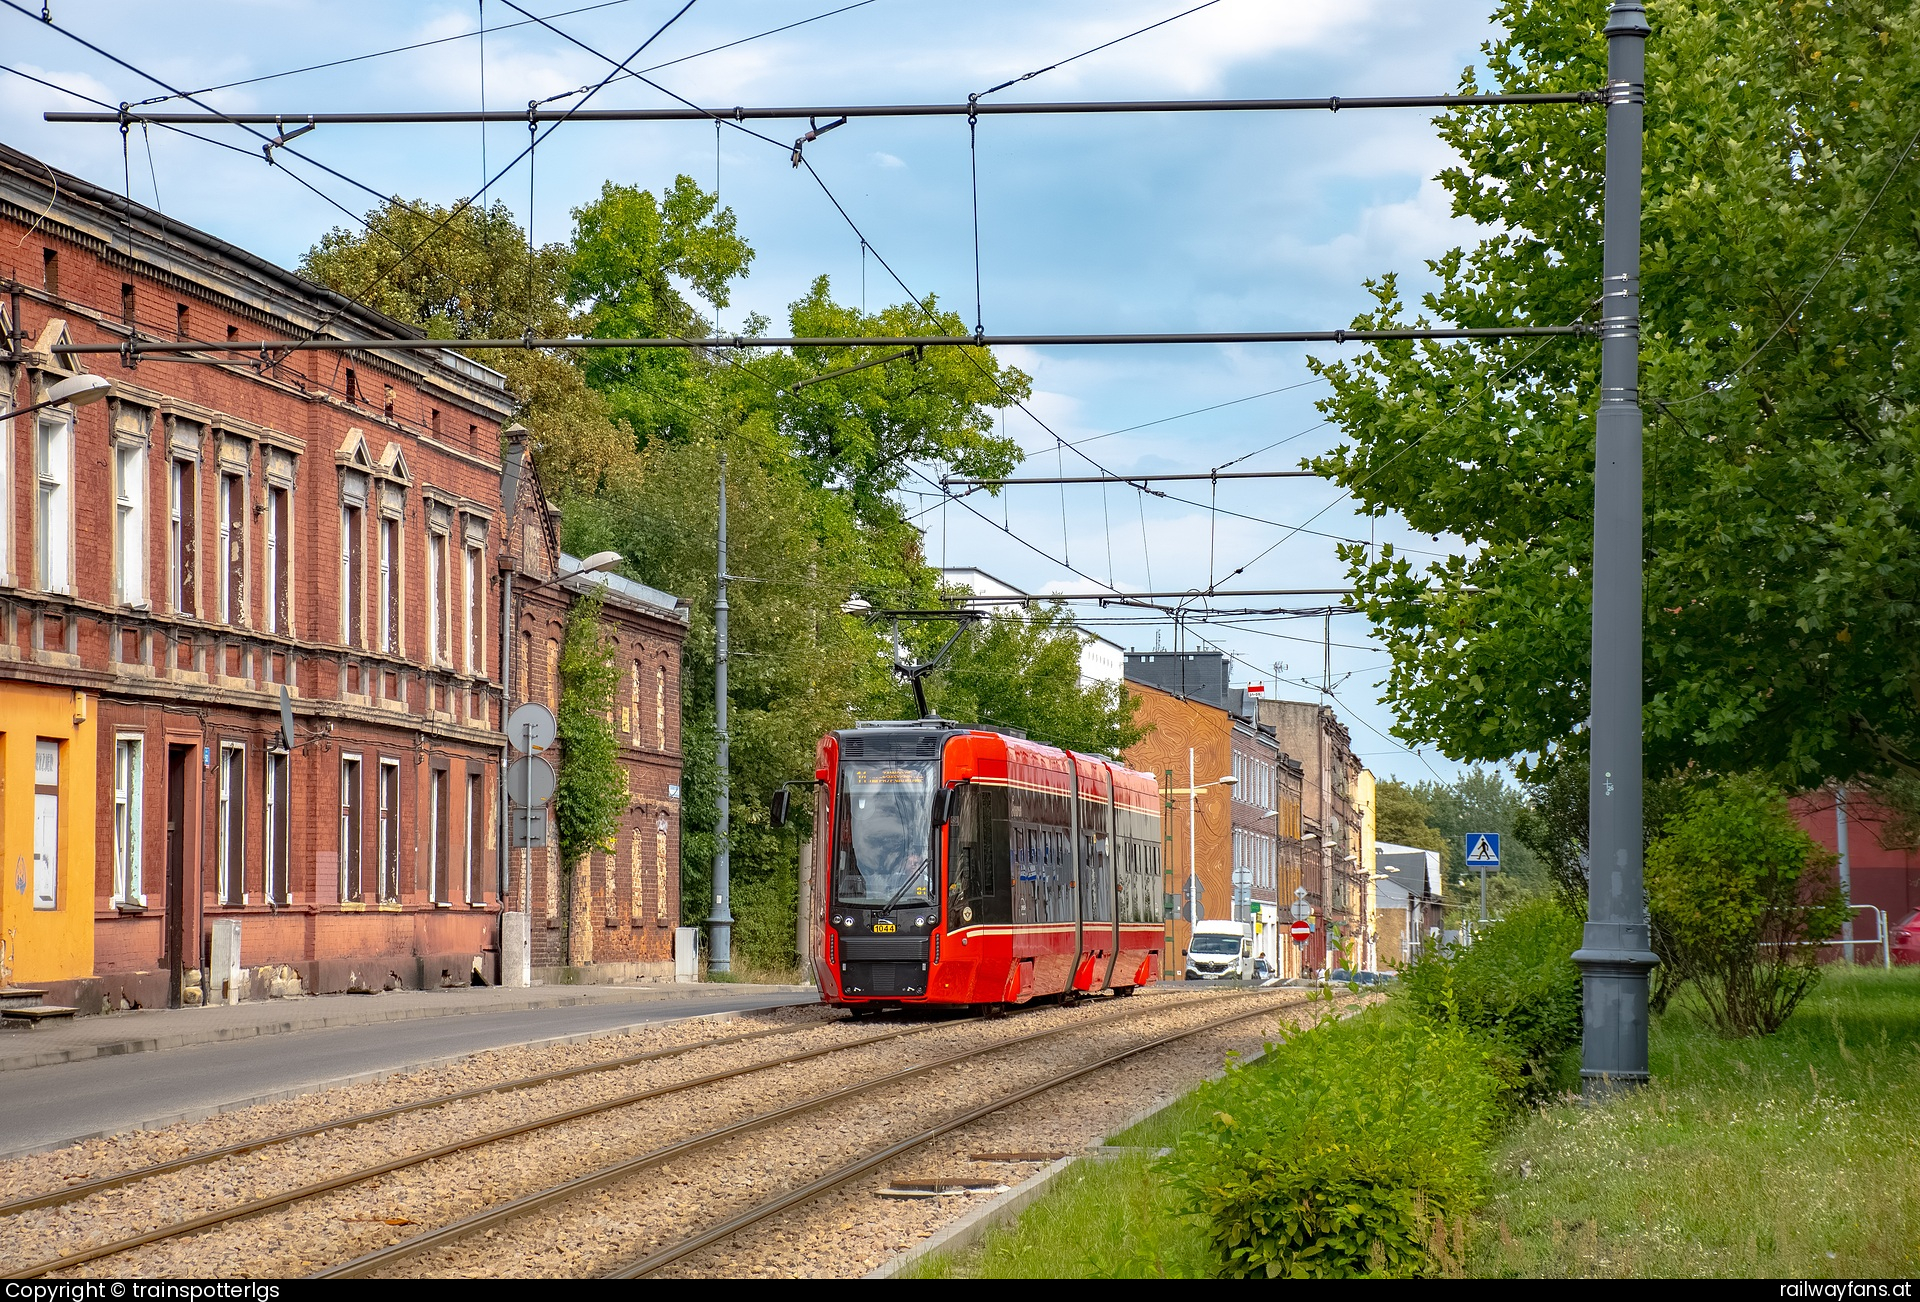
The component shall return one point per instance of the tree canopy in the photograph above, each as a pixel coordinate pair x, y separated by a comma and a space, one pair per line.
1783, 408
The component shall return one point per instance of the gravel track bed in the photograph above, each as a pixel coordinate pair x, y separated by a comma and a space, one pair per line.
337, 1226
608, 1227
92, 1158
854, 1229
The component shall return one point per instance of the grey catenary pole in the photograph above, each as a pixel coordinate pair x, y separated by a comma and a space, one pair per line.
720, 921
1615, 954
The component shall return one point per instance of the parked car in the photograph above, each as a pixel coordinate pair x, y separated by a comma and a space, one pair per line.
1906, 939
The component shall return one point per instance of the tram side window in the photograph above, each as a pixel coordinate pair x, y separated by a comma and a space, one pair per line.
978, 877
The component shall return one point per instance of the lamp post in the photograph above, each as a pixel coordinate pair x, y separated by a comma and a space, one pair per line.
76, 391
1192, 791
1616, 952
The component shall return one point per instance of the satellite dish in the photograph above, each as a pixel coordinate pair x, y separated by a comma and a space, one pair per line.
286, 718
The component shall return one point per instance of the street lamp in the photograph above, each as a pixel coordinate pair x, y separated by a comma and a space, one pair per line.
77, 391
1191, 791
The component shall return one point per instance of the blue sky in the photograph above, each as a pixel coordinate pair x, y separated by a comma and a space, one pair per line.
1087, 224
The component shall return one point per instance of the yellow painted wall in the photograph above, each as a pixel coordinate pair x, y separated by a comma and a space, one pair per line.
46, 944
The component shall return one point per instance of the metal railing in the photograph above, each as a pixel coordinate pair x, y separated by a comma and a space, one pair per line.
1883, 940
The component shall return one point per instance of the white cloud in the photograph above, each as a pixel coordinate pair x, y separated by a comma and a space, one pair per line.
886, 160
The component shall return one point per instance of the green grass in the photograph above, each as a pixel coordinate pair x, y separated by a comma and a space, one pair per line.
1111, 1219
1795, 1155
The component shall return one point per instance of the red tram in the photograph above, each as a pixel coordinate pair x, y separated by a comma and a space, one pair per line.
960, 865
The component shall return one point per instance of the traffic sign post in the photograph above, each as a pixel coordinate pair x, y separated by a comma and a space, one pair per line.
1483, 857
530, 729
1301, 930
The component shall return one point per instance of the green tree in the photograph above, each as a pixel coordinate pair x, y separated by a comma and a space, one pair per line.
1782, 507
1401, 817
1482, 800
1740, 896
628, 250
590, 790
471, 275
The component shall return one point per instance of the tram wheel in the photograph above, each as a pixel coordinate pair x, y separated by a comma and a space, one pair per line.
1121, 992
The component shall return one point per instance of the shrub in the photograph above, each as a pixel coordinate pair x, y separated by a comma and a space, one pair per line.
1740, 897
1516, 983
1354, 1148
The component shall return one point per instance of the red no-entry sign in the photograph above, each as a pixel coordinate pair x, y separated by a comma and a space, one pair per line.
1302, 929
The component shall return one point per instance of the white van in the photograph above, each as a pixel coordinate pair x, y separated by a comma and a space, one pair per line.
1220, 951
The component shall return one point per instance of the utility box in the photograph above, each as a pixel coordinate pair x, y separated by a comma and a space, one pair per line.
223, 971
516, 950
686, 953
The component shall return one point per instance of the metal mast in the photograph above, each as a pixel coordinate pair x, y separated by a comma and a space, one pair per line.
1616, 952
720, 921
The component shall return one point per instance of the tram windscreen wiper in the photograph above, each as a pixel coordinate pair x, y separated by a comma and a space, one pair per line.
895, 901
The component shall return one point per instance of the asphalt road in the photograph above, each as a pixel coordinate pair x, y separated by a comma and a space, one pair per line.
47, 1107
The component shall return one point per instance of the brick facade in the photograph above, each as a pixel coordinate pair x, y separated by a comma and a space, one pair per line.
616, 912
1334, 875
223, 527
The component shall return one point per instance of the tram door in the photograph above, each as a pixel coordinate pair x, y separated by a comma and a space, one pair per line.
812, 911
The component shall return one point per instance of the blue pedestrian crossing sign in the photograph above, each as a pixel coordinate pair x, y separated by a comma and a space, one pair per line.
1483, 851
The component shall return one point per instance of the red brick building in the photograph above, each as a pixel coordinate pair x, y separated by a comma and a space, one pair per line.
613, 917
220, 528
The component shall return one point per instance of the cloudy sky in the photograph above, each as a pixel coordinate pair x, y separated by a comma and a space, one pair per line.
1182, 222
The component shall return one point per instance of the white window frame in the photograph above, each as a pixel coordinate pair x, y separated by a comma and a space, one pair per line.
352, 838
476, 799
129, 756
277, 873
53, 501
437, 890
274, 545
232, 483
353, 519
231, 794
387, 821
389, 560
130, 523
177, 539
439, 645
476, 610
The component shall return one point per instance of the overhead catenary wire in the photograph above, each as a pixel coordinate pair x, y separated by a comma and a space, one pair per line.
1200, 411
409, 343
287, 172
743, 113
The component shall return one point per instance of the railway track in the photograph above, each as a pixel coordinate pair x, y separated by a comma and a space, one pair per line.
519, 1208
474, 1224
99, 1184
661, 1258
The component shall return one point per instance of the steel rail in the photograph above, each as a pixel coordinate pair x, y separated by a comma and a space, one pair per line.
853, 1170
740, 113
259, 1205
73, 1193
137, 348
516, 1207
